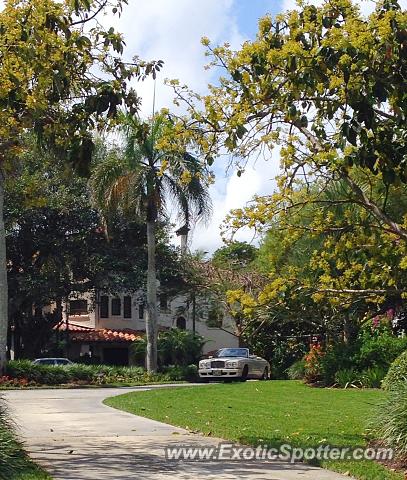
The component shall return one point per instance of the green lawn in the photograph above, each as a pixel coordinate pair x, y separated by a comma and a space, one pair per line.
14, 462
29, 472
269, 413
21, 467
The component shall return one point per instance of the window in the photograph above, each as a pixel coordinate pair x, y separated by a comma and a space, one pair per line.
116, 306
78, 307
104, 306
181, 323
163, 301
127, 306
141, 311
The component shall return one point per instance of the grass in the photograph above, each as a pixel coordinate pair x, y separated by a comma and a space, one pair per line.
29, 472
271, 413
14, 462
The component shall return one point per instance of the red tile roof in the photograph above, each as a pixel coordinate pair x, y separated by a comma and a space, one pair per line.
79, 333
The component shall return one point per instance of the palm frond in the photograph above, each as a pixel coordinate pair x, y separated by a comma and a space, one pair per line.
130, 177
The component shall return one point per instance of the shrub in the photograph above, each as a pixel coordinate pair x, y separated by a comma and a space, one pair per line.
397, 373
178, 372
283, 354
23, 373
46, 374
372, 377
314, 364
390, 424
339, 356
175, 347
347, 377
297, 370
379, 350
82, 372
138, 351
179, 347
11, 456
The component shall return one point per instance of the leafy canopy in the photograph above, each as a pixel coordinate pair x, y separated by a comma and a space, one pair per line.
61, 74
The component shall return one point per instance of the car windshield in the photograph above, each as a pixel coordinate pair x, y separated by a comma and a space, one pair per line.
45, 361
233, 352
52, 361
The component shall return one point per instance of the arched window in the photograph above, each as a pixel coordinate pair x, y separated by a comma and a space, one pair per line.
181, 323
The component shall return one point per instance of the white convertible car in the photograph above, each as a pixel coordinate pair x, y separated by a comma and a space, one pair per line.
229, 363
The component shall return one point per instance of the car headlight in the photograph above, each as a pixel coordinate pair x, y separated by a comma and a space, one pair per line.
204, 364
231, 364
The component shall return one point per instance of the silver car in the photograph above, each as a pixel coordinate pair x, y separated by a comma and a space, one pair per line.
230, 363
52, 361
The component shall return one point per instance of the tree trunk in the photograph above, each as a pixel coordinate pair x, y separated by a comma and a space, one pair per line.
193, 313
65, 318
3, 283
184, 244
349, 329
151, 316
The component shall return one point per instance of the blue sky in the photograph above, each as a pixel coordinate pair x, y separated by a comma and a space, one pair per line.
249, 11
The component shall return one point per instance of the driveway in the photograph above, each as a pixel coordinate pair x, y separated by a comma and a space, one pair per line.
75, 437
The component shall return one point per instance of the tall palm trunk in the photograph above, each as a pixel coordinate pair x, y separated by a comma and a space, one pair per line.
3, 283
151, 317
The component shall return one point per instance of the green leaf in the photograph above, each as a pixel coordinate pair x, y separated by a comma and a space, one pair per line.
345, 129
240, 131
292, 111
352, 137
327, 22
304, 121
389, 177
379, 91
236, 75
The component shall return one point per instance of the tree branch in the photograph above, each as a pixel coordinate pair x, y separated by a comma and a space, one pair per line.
367, 291
95, 14
374, 209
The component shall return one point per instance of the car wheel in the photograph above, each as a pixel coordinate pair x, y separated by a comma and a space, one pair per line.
265, 375
245, 372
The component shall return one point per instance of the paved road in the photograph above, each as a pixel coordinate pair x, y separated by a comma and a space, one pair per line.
75, 437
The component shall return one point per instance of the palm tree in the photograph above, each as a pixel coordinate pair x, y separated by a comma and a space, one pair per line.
140, 179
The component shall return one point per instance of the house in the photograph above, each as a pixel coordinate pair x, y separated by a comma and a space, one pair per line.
104, 327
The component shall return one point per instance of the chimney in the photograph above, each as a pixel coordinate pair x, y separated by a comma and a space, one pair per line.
183, 233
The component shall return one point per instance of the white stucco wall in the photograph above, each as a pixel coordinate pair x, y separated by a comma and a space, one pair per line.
176, 307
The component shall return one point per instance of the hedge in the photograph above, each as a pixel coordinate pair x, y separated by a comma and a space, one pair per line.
26, 373
397, 373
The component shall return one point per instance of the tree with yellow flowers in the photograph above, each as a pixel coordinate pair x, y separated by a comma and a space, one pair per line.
326, 87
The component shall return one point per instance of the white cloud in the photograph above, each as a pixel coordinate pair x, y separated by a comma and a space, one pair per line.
235, 192
172, 32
